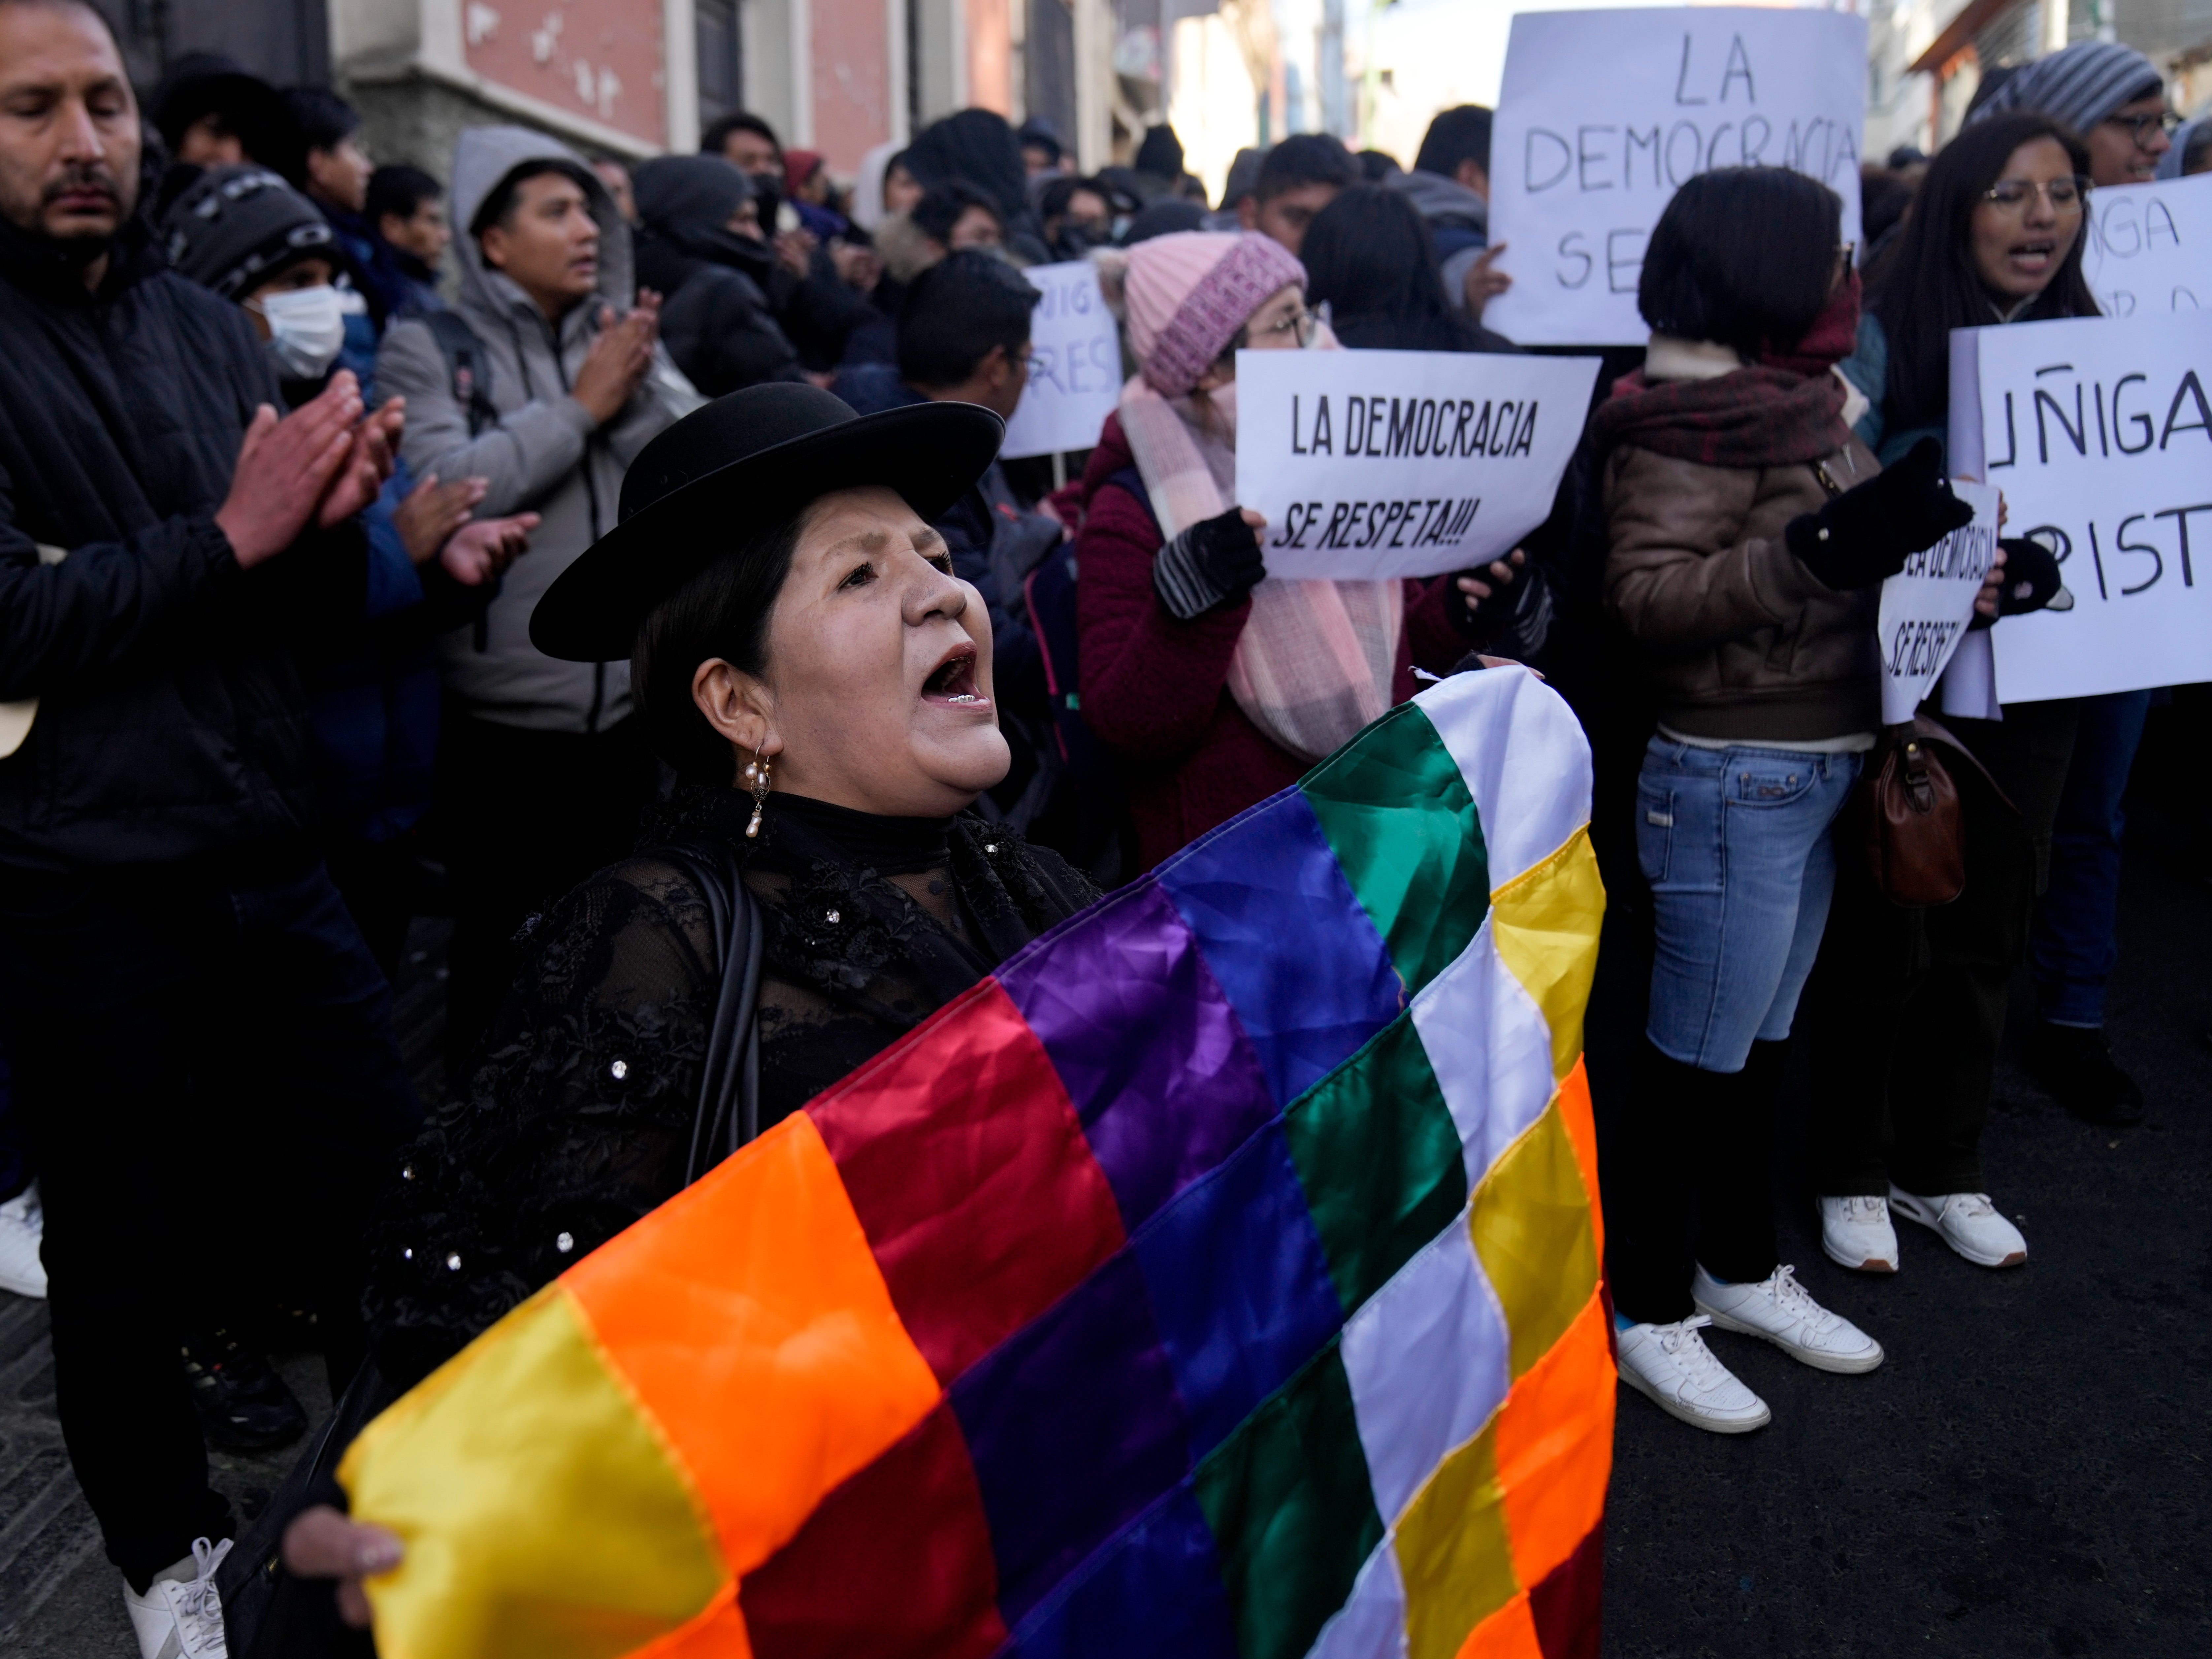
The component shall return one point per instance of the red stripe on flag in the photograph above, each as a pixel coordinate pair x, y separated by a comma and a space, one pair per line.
981, 1201
898, 1560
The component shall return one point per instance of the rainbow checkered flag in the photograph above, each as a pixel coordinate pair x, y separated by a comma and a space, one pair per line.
1219, 1278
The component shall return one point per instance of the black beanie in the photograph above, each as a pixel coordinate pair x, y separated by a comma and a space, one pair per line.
235, 227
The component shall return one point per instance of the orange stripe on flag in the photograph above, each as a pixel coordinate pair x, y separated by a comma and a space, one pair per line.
1508, 1633
1554, 1446
1581, 1129
752, 1322
717, 1633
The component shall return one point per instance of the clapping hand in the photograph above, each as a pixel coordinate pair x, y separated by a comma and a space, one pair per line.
432, 512
477, 553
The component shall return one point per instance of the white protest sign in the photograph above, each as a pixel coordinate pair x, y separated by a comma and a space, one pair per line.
1075, 364
1402, 463
2099, 431
1926, 606
1603, 115
2150, 247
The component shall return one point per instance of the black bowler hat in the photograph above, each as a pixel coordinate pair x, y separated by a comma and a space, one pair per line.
742, 461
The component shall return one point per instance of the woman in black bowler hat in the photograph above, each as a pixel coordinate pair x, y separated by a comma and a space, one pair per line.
806, 661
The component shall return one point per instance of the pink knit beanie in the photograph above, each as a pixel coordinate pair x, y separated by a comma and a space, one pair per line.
1185, 295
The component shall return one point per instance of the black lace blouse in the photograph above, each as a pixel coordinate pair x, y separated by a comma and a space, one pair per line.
575, 1118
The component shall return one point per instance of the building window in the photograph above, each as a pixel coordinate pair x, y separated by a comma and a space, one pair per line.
721, 59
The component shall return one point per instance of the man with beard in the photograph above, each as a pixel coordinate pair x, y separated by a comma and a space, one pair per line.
186, 997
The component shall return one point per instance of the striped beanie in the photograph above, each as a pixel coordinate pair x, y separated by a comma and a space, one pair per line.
1185, 296
2081, 85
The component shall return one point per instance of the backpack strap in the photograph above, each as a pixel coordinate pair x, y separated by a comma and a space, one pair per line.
466, 366
728, 1113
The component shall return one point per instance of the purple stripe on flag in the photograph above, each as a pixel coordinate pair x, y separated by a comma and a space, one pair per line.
1160, 1073
1305, 1010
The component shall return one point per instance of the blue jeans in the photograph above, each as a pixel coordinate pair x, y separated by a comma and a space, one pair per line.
1734, 844
2076, 944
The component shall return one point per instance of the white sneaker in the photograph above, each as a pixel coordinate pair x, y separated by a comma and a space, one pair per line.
1968, 1222
1855, 1233
22, 1224
1781, 1311
1671, 1366
180, 1616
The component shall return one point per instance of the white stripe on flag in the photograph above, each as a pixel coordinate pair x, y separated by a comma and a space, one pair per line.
1524, 758
1427, 1357
1489, 1048
1371, 1623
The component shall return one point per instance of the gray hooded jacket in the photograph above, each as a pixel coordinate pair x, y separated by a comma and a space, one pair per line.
545, 456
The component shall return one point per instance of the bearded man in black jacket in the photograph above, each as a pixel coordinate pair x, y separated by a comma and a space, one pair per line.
184, 993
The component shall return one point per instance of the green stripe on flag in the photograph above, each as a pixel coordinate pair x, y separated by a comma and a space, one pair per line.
1291, 1509
1399, 819
1380, 1159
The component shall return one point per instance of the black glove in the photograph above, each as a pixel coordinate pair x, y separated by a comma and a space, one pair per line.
1215, 561
1865, 535
2031, 576
1478, 619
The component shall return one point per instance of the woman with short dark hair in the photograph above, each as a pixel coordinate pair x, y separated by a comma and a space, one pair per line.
1748, 531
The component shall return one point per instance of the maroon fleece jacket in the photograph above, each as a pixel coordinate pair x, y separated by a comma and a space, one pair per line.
1156, 689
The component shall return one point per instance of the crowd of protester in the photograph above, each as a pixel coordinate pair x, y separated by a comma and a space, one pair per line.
293, 448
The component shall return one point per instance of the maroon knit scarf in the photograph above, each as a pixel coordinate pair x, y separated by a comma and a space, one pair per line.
1783, 410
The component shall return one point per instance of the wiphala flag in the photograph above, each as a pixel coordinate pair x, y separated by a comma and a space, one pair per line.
1219, 1278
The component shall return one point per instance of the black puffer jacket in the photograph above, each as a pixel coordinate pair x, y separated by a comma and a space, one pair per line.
716, 316
171, 721
715, 319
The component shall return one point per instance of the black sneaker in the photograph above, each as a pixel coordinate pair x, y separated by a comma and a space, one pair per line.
2075, 1064
243, 1404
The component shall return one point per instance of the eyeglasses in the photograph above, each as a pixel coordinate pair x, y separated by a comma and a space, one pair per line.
1301, 321
2012, 196
2139, 126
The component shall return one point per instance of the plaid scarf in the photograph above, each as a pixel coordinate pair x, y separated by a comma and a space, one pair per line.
1316, 659
1783, 410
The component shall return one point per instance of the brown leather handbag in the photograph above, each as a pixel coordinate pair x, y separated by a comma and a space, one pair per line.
1909, 822
1911, 832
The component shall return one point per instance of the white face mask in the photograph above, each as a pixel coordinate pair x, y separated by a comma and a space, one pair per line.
306, 328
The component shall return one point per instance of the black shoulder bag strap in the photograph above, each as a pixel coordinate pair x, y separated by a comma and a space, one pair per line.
469, 372
466, 366
728, 1113
269, 1615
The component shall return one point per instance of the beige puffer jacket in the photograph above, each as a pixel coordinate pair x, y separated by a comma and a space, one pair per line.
1737, 639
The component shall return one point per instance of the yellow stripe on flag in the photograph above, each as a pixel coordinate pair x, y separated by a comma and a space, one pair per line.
542, 1516
1531, 1222
1453, 1553
1545, 923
